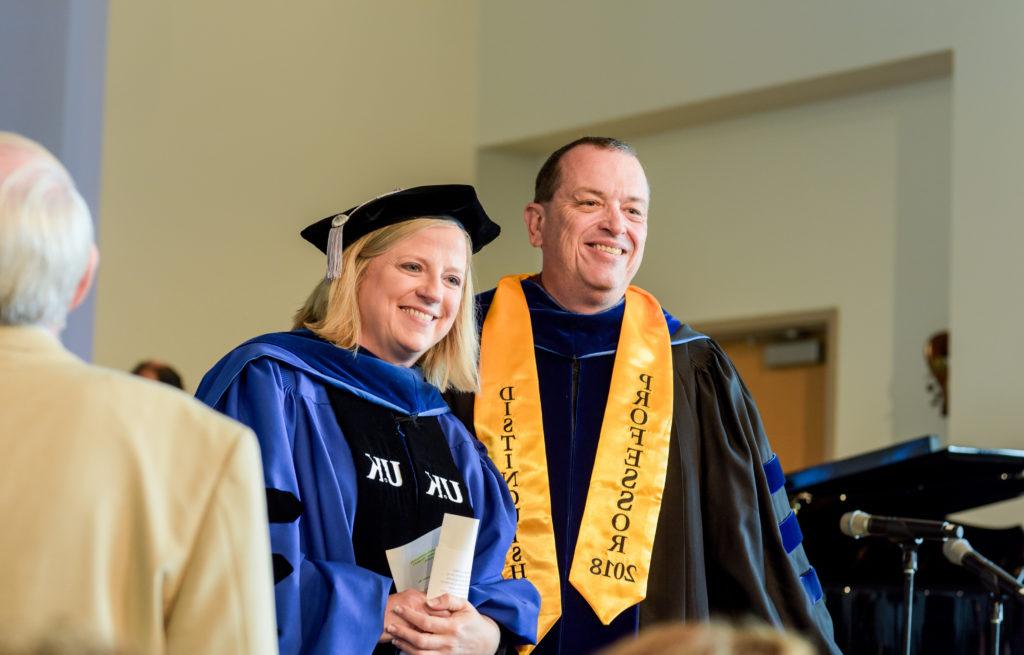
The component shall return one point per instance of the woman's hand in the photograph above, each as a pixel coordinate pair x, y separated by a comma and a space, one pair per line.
463, 632
410, 600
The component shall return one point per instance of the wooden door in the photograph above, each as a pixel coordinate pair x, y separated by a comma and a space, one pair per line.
791, 399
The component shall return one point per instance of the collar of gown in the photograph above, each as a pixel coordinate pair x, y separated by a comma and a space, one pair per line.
569, 334
398, 388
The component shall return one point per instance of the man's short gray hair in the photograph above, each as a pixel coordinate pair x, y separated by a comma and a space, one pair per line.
46, 235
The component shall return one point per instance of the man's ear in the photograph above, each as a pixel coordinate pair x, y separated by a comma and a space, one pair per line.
534, 216
85, 283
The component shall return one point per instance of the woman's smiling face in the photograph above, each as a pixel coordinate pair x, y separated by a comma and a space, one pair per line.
409, 296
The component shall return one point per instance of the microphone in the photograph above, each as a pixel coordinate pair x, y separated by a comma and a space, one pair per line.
859, 524
960, 552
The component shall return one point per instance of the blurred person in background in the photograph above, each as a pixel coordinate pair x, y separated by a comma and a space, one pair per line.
154, 369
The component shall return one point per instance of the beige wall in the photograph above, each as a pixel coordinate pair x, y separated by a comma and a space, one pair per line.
229, 126
549, 66
505, 184
788, 211
988, 230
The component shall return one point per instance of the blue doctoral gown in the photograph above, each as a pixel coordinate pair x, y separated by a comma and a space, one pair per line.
727, 543
277, 385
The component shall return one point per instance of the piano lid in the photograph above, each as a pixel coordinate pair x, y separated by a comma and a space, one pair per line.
917, 478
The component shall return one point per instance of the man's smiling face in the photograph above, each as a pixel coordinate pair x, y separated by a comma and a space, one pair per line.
592, 231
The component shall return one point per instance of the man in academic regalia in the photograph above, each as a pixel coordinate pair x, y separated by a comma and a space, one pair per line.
133, 518
646, 488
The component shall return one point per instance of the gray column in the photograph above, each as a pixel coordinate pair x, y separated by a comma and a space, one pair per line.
52, 77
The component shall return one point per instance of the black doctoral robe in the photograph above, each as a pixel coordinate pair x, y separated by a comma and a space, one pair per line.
727, 543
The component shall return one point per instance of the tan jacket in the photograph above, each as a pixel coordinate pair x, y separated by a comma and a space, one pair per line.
131, 516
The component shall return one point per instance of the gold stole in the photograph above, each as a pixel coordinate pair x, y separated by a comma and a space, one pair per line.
612, 559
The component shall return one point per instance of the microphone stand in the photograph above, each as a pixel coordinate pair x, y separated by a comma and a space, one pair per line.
908, 534
909, 548
995, 622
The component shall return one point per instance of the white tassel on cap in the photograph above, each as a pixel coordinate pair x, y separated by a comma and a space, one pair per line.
334, 247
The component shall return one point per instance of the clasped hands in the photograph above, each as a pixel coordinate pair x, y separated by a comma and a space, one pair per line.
445, 624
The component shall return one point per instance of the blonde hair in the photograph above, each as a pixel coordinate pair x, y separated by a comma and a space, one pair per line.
315, 307
448, 364
46, 235
711, 639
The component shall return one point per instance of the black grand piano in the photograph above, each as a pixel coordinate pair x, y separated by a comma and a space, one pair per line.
863, 578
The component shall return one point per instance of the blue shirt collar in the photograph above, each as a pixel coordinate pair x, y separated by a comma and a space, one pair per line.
569, 334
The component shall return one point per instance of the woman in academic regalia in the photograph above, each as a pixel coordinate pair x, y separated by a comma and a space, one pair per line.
360, 452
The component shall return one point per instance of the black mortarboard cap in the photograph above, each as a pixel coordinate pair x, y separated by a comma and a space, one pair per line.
455, 201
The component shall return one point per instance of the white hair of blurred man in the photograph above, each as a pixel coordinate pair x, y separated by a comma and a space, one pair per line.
47, 251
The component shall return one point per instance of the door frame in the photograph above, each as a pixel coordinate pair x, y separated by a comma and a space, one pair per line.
824, 321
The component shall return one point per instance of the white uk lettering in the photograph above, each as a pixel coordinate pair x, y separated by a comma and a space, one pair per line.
454, 493
384, 470
375, 468
444, 488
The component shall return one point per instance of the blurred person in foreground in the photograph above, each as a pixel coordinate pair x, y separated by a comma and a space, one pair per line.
134, 517
154, 369
711, 639
361, 453
646, 488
